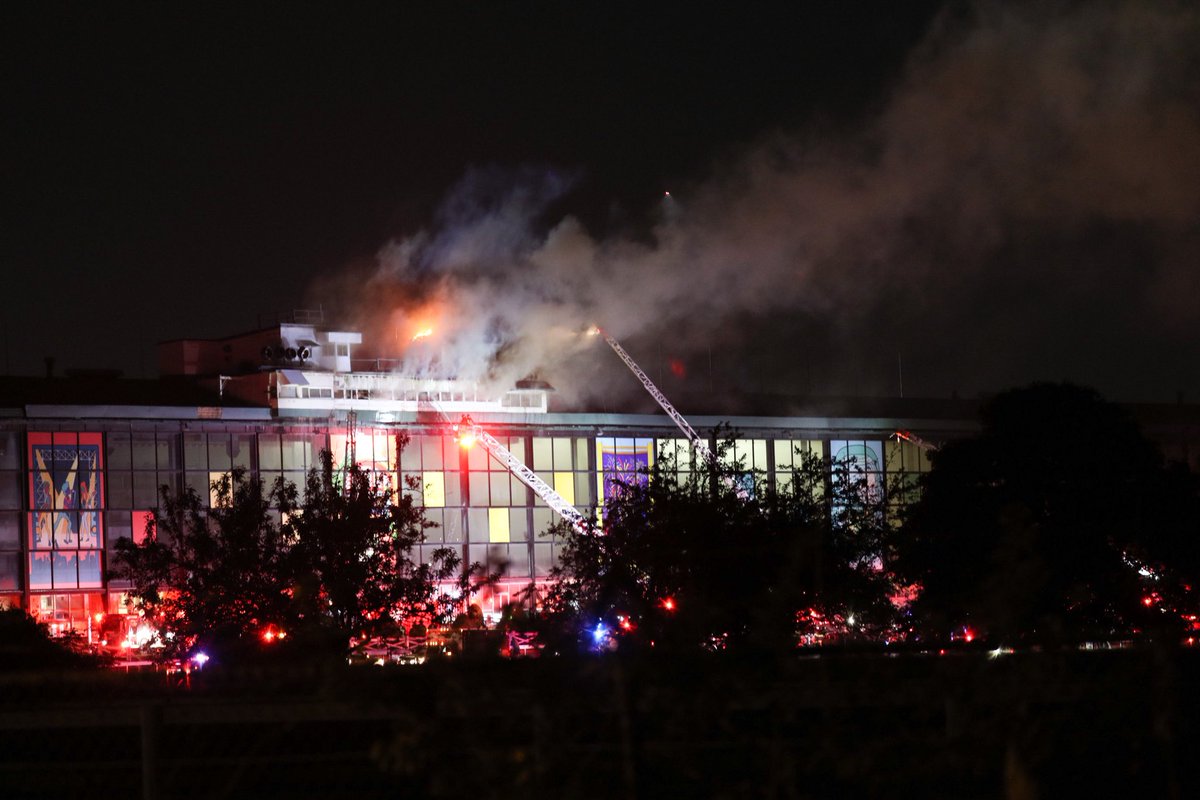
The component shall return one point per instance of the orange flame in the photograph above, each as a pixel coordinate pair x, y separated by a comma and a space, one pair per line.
423, 333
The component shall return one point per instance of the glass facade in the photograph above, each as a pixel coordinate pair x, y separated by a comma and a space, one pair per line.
67, 496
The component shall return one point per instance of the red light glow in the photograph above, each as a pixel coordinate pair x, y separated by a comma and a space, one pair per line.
668, 603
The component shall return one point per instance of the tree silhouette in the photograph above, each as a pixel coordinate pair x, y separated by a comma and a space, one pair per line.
1051, 524
338, 562
692, 559
352, 541
219, 573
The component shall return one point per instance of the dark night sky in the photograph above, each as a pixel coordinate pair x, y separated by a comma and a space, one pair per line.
177, 173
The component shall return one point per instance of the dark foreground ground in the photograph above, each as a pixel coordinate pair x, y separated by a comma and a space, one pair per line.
1104, 723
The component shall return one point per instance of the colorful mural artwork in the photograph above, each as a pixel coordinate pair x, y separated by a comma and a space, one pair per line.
865, 464
623, 462
66, 494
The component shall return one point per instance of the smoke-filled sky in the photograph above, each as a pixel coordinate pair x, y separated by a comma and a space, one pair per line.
962, 197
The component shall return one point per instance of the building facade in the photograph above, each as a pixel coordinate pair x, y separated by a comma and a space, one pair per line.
82, 462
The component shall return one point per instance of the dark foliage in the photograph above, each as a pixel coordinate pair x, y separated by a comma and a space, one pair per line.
694, 559
26, 644
220, 574
352, 553
337, 562
1058, 521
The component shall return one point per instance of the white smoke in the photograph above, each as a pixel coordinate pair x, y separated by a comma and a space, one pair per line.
1033, 164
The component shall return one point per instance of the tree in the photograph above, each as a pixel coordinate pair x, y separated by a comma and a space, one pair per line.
352, 550
340, 563
26, 645
1049, 524
693, 559
219, 574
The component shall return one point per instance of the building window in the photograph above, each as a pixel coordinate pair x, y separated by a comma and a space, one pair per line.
791, 457
621, 462
905, 463
66, 501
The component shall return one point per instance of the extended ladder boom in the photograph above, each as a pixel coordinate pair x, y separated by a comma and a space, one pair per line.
909, 436
467, 427
701, 446
543, 490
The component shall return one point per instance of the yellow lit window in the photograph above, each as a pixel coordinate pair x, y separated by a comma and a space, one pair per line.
497, 524
433, 486
564, 484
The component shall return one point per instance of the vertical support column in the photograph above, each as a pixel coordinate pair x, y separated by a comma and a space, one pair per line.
464, 488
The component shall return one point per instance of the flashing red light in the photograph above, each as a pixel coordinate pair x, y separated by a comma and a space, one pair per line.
464, 433
968, 635
1147, 601
270, 634
625, 624
668, 603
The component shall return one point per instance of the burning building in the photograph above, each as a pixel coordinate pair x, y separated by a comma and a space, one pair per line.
82, 457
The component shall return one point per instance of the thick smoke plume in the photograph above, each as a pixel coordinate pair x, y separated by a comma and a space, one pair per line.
1023, 206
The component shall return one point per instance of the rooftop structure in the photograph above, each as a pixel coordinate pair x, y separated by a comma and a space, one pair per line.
298, 369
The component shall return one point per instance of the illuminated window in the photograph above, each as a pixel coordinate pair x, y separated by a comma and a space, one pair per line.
860, 462
622, 461
748, 459
562, 462
214, 486
564, 485
142, 526
434, 462
791, 455
748, 455
490, 482
498, 530
66, 517
433, 489
680, 452
906, 463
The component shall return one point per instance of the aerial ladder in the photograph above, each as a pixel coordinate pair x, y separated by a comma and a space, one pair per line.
909, 436
701, 446
468, 433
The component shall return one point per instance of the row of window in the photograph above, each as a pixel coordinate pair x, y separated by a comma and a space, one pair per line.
73, 476
63, 496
